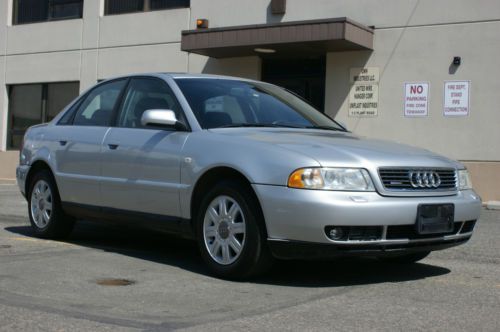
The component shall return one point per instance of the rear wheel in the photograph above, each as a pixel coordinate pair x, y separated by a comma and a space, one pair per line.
44, 206
230, 232
406, 258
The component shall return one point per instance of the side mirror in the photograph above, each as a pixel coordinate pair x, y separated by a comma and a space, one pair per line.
162, 118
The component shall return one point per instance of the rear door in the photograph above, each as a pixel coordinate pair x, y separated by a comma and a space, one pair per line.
141, 165
79, 141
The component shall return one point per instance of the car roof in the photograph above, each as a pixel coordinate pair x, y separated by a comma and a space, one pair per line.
175, 75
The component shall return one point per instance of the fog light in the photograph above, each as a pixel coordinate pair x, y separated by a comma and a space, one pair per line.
336, 233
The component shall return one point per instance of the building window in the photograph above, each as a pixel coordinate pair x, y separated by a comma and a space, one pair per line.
131, 6
32, 11
30, 104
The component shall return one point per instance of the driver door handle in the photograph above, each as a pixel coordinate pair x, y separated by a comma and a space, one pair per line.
113, 146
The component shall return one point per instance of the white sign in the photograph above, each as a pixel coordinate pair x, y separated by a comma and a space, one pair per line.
369, 75
456, 98
416, 99
363, 100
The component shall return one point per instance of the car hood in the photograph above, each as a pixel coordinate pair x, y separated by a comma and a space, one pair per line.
333, 149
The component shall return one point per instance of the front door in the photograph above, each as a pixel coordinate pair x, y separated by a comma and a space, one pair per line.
141, 166
305, 77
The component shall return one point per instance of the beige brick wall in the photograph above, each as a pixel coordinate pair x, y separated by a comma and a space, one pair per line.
485, 179
8, 163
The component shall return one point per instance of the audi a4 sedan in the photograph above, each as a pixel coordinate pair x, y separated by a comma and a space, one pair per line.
247, 169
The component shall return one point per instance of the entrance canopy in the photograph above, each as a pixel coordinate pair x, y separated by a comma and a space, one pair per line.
300, 38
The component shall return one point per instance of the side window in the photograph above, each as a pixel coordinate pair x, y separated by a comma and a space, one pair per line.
97, 108
145, 94
68, 116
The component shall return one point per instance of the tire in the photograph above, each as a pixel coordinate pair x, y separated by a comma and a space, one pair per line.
216, 232
406, 259
44, 208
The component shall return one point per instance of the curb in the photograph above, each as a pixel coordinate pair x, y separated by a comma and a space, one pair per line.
492, 205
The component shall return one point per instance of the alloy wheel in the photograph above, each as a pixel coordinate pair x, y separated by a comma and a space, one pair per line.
41, 204
224, 230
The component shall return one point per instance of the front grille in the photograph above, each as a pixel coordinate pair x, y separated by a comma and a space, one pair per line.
410, 232
399, 179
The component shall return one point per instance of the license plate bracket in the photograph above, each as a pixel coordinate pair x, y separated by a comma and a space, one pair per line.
435, 218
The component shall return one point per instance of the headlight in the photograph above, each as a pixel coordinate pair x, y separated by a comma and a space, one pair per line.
464, 181
346, 179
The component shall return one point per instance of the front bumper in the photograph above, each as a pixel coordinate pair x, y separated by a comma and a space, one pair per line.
301, 216
307, 250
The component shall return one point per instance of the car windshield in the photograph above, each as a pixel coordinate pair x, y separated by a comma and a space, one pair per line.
219, 103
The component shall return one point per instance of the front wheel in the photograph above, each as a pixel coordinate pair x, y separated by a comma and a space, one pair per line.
230, 232
44, 206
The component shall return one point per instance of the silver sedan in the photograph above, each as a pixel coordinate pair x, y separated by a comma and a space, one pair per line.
250, 171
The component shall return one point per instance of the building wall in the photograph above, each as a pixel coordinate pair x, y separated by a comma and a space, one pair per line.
379, 13
415, 40
424, 55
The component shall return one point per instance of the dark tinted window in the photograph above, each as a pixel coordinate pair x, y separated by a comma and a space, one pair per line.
25, 110
145, 94
30, 104
130, 6
168, 4
60, 9
30, 11
97, 108
124, 6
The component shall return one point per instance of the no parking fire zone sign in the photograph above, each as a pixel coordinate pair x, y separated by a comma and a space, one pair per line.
416, 99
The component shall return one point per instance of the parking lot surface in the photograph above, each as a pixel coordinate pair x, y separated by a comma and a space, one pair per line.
64, 286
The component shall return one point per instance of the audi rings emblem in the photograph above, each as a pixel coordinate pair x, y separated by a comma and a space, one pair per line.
424, 179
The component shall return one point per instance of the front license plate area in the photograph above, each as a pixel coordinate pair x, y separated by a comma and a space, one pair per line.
435, 218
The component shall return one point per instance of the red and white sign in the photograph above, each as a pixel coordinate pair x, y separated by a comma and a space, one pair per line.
456, 98
416, 99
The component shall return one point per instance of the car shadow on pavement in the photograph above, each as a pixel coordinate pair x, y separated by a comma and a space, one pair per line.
170, 250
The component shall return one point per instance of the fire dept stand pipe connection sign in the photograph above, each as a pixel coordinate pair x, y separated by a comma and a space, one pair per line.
456, 98
363, 96
416, 99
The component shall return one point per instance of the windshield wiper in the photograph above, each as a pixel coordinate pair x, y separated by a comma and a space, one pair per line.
326, 128
278, 125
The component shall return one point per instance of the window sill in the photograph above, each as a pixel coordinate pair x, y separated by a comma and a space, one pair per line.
145, 11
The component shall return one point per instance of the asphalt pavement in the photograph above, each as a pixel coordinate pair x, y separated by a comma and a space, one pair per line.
107, 278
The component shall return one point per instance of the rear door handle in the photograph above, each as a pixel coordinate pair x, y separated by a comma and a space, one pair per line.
63, 143
113, 146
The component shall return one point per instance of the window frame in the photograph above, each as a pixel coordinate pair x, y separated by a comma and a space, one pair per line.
117, 112
50, 18
76, 107
146, 8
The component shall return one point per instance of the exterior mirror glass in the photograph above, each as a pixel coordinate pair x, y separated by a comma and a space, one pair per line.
161, 118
